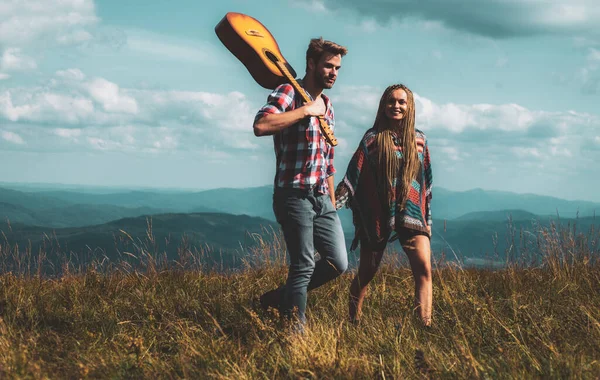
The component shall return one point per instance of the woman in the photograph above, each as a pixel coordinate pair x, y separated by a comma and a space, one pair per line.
388, 187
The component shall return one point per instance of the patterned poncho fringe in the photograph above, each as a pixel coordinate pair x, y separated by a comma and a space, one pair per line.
373, 215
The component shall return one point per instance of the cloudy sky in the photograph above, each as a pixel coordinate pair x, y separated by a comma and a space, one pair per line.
143, 94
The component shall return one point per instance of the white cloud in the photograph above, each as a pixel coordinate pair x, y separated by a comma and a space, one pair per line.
101, 144
12, 137
492, 18
524, 152
560, 151
594, 56
4, 76
590, 73
71, 134
74, 37
25, 21
14, 60
10, 111
459, 117
38, 105
366, 100
71, 74
73, 109
498, 135
451, 152
100, 114
311, 5
110, 97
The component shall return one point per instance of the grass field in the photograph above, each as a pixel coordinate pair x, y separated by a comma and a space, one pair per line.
150, 319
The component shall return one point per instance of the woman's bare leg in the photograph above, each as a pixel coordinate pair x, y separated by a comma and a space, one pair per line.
367, 268
418, 250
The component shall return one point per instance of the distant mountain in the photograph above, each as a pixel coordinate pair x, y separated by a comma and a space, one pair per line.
173, 201
448, 204
59, 209
72, 209
31, 201
502, 215
70, 215
90, 189
80, 215
226, 238
17, 214
493, 238
251, 201
256, 201
216, 235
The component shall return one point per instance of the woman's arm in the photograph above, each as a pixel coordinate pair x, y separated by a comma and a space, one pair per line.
428, 184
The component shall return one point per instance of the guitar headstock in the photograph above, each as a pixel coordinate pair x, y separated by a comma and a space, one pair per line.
327, 133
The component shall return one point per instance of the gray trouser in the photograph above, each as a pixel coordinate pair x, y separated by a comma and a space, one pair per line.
310, 223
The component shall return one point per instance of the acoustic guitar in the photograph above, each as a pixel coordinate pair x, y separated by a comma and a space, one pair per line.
252, 43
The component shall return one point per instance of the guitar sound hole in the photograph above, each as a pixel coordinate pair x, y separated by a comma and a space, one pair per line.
271, 56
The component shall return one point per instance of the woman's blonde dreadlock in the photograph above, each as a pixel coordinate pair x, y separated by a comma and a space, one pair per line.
388, 161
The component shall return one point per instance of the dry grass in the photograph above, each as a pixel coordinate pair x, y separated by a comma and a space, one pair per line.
154, 320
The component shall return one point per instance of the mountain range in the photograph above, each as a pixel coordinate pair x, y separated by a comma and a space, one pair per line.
475, 223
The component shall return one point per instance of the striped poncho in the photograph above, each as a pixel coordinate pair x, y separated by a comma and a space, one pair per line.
376, 218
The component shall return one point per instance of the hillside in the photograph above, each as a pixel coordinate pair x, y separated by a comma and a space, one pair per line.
76, 215
151, 321
31, 201
219, 236
501, 239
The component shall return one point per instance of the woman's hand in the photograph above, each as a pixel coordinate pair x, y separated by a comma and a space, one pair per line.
341, 201
341, 196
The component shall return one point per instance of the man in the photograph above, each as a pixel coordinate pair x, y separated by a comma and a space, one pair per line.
304, 195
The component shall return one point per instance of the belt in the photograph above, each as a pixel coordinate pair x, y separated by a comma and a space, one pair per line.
314, 190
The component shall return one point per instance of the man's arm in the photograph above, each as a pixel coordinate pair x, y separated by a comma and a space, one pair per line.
275, 122
331, 185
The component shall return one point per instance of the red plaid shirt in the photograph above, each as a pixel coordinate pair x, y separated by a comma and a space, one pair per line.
304, 159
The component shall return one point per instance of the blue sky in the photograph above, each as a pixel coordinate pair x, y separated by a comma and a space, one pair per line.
143, 94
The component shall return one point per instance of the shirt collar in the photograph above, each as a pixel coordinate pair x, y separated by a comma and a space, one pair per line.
325, 97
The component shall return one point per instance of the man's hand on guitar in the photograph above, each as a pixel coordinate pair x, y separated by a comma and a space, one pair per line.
315, 108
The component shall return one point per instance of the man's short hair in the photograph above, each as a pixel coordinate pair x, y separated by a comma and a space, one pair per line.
318, 46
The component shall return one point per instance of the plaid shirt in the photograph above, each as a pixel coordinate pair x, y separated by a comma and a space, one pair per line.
304, 159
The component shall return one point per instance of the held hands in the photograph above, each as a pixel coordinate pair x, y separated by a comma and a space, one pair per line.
340, 201
341, 196
315, 108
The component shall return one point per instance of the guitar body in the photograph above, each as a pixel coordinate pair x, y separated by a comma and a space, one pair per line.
250, 42
255, 47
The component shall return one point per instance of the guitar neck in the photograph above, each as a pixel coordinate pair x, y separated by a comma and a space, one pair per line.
293, 81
